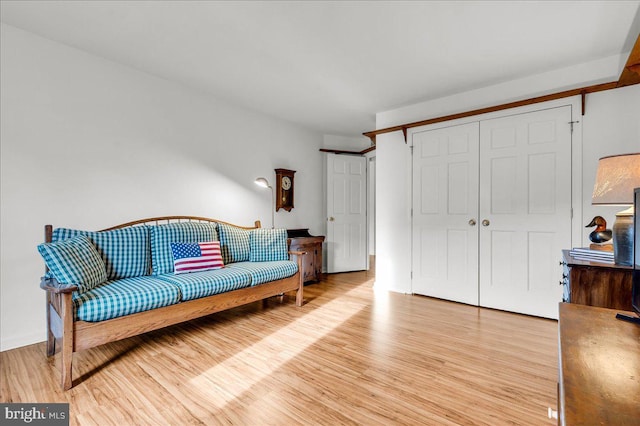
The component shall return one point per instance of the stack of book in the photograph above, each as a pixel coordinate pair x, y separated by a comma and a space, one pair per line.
602, 254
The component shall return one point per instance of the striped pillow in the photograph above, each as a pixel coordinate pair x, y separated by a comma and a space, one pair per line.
266, 245
193, 257
74, 262
234, 242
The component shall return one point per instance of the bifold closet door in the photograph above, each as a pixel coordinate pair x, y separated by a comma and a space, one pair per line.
525, 210
445, 213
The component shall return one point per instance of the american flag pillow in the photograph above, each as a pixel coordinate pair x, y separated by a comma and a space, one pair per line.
193, 257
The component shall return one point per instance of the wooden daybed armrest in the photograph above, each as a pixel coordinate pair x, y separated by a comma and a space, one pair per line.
52, 285
298, 253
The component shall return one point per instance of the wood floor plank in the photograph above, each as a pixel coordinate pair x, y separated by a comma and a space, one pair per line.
348, 356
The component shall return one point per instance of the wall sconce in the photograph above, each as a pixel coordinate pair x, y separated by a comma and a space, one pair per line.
616, 178
265, 184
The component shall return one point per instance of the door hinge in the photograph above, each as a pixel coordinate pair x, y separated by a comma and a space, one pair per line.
572, 123
571, 212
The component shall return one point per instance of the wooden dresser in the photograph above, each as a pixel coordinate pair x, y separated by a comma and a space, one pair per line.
599, 367
301, 240
596, 284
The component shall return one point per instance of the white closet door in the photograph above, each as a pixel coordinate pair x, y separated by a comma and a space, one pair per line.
525, 210
445, 209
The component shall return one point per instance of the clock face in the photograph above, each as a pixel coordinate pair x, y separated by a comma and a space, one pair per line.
286, 183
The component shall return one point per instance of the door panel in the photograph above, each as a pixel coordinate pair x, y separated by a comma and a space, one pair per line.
525, 195
445, 199
347, 214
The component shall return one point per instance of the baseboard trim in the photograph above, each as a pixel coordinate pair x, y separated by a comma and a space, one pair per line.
19, 341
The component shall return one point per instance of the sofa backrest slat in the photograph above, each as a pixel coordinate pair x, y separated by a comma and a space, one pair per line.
177, 219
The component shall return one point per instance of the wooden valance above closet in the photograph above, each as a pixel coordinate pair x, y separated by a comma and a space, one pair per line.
630, 75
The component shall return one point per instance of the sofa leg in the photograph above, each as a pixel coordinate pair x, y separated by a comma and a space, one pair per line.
299, 297
300, 292
67, 341
51, 338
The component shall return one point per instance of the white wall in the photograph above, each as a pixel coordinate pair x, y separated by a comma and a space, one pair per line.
595, 72
88, 143
346, 143
610, 126
393, 218
371, 204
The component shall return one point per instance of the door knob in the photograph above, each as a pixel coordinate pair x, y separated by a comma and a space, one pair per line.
331, 219
486, 222
472, 222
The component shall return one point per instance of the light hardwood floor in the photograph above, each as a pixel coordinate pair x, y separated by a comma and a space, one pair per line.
348, 356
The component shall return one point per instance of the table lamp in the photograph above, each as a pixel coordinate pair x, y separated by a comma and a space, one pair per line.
616, 178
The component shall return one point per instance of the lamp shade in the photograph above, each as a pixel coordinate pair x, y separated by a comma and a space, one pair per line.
616, 178
262, 182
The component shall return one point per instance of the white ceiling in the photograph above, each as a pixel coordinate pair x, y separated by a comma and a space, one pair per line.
330, 65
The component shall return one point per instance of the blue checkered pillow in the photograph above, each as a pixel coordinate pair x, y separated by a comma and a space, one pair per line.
234, 243
266, 245
125, 252
74, 262
186, 232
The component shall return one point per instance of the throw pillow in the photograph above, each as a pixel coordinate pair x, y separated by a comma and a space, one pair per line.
193, 257
74, 262
268, 245
234, 242
125, 252
186, 232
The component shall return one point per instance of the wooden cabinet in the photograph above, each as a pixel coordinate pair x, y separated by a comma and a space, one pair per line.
597, 284
300, 240
598, 380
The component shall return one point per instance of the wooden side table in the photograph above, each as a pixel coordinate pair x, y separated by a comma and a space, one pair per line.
597, 284
301, 240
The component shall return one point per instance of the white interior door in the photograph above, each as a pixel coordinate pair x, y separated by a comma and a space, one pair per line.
525, 209
346, 213
445, 213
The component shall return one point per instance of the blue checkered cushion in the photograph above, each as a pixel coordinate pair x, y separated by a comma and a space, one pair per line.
124, 297
74, 262
187, 232
262, 272
125, 252
234, 242
267, 245
207, 283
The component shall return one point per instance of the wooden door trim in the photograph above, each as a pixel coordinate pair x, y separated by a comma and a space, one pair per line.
629, 76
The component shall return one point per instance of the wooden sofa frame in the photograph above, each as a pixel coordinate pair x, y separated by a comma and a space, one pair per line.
68, 336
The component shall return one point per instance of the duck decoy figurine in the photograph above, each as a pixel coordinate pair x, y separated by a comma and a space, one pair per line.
601, 233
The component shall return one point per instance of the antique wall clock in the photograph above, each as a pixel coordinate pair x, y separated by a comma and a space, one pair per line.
284, 189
